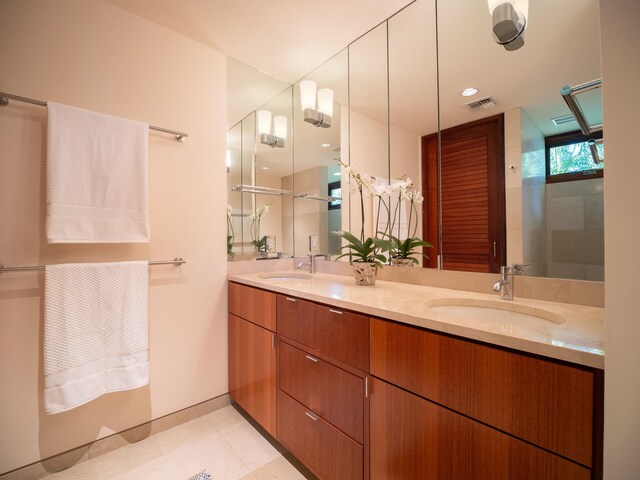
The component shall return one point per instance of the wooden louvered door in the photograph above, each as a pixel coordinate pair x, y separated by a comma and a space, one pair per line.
473, 234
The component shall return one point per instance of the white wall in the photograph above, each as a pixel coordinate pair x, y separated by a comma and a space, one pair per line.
96, 56
620, 30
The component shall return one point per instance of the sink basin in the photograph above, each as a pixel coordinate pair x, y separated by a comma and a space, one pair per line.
285, 276
495, 312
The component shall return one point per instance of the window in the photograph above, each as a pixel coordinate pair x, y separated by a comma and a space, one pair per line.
335, 191
569, 157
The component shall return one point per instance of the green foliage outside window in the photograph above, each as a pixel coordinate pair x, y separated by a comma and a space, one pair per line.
575, 157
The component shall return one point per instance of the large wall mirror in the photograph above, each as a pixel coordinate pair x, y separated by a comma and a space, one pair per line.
390, 120
555, 224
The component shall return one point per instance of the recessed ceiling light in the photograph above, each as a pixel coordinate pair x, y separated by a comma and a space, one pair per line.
264, 167
325, 145
337, 174
467, 92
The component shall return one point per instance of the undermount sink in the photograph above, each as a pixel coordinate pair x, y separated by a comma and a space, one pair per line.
285, 276
496, 312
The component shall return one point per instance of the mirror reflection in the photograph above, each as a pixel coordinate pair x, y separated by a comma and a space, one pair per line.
518, 183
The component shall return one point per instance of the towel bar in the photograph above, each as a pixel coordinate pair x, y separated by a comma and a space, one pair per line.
5, 97
176, 261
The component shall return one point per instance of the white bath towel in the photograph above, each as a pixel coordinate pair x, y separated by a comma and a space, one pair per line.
96, 177
96, 331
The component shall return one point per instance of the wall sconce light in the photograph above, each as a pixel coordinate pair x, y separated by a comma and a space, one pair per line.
279, 135
322, 116
228, 161
509, 22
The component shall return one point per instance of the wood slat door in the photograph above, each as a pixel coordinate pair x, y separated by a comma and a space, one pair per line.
471, 184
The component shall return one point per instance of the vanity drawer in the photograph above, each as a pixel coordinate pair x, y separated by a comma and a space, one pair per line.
334, 394
325, 450
343, 335
295, 320
546, 403
252, 304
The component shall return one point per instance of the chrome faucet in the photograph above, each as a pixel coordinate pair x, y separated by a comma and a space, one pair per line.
505, 284
311, 262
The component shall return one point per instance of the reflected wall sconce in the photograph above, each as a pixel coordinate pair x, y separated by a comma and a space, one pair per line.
322, 116
279, 135
228, 161
509, 22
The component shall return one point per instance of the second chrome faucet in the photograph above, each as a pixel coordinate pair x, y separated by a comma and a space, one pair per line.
311, 262
505, 284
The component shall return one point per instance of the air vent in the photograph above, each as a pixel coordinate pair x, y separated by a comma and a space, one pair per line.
482, 104
562, 120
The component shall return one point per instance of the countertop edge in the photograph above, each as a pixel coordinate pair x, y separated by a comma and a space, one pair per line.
562, 353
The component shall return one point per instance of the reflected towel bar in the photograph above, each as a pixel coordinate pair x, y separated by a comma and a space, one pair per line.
568, 94
5, 97
176, 261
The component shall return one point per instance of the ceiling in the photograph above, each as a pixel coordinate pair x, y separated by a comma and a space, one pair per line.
284, 38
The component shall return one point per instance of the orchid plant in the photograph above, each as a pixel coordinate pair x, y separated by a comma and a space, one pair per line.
229, 232
259, 242
373, 249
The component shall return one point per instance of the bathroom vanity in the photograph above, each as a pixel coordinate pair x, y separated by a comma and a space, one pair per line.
380, 383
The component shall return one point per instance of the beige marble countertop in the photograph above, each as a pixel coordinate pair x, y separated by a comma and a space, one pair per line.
579, 339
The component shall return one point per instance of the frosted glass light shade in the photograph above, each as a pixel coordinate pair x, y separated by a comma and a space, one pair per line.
520, 6
228, 159
325, 101
280, 126
308, 94
264, 121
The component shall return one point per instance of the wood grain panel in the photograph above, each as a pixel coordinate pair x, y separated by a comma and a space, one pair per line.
412, 438
343, 335
543, 402
471, 195
252, 371
335, 395
252, 304
296, 319
325, 450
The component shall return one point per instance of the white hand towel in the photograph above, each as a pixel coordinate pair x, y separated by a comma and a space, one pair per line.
96, 177
96, 331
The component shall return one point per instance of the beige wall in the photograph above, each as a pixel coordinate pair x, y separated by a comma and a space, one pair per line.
620, 21
96, 56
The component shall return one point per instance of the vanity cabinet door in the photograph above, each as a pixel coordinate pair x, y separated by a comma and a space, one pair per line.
413, 438
252, 371
334, 394
252, 304
295, 320
543, 402
343, 335
324, 449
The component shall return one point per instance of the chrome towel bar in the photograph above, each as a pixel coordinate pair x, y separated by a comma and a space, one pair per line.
176, 261
5, 97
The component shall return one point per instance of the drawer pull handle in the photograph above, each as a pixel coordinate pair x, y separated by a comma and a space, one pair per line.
335, 311
291, 299
312, 358
312, 416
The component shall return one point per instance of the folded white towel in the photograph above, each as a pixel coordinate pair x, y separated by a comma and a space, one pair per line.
96, 177
96, 331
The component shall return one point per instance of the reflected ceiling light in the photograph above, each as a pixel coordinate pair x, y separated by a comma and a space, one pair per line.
277, 138
325, 145
264, 167
322, 116
467, 92
509, 22
337, 174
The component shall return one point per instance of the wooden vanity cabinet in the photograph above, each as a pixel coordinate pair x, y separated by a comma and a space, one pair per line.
323, 358
543, 404
413, 438
252, 353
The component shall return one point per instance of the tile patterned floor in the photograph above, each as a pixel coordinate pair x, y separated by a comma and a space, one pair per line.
222, 442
